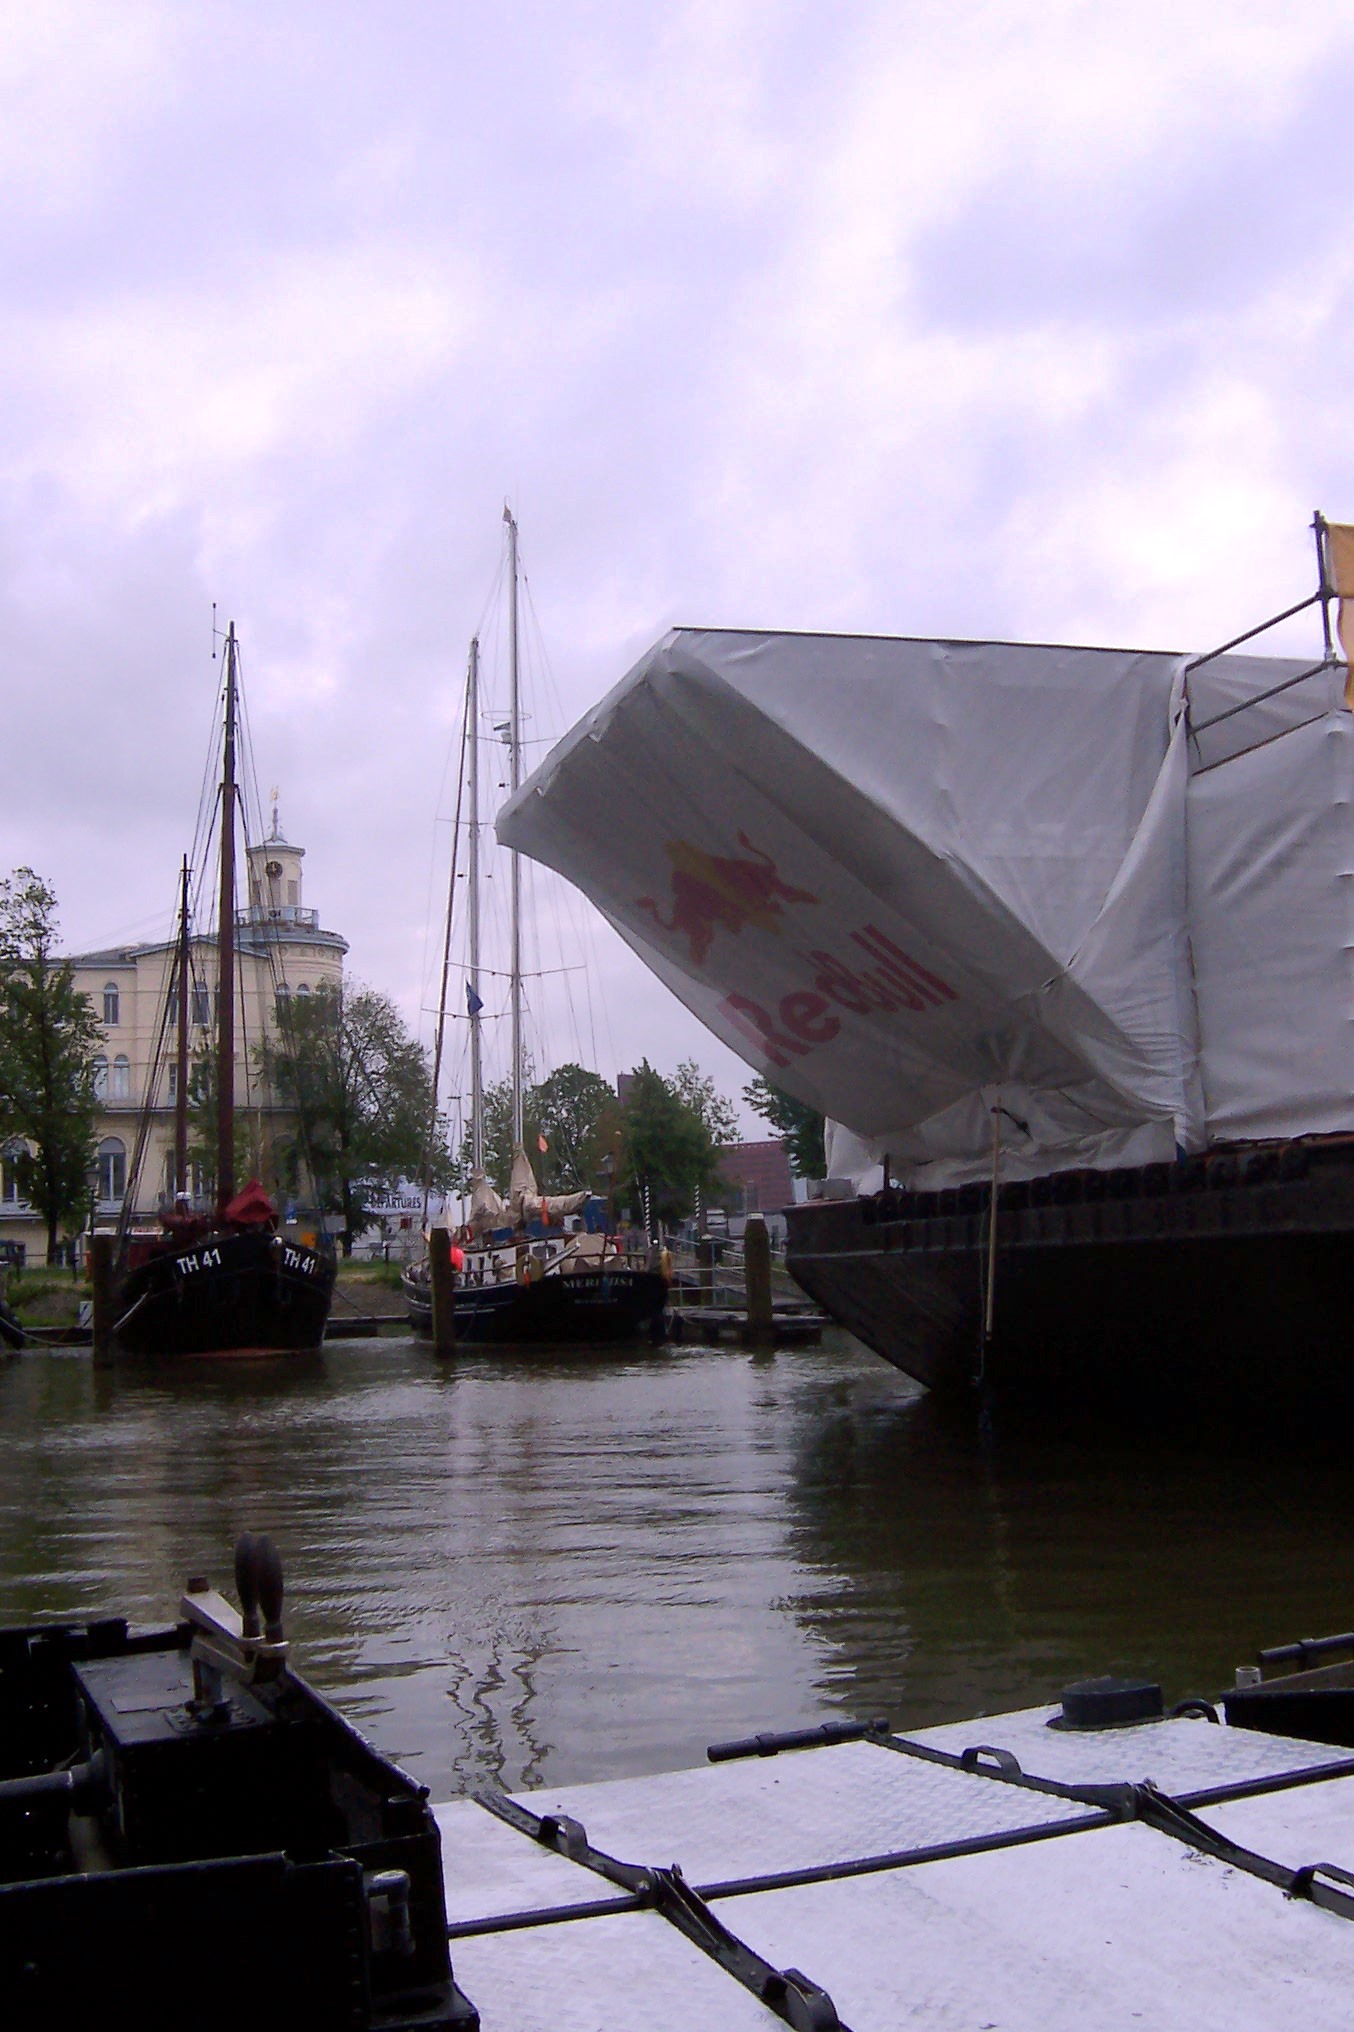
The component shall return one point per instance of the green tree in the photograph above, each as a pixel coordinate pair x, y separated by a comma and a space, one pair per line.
569, 1107
666, 1145
497, 1135
564, 1108
360, 1088
718, 1113
800, 1125
48, 1040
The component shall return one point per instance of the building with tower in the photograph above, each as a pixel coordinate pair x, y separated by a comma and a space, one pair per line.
282, 951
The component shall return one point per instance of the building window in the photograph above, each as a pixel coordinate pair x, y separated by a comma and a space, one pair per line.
100, 1071
16, 1170
110, 1004
173, 1079
202, 1005
112, 1169
121, 1089
304, 989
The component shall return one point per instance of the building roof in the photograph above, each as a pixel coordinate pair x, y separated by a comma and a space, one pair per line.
248, 938
762, 1172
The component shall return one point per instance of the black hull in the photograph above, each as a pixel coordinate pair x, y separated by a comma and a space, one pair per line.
584, 1308
1221, 1289
230, 1294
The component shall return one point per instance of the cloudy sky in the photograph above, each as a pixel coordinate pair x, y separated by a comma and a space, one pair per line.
1027, 319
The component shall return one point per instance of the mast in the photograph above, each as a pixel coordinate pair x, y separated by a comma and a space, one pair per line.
181, 1048
225, 956
514, 779
471, 686
473, 999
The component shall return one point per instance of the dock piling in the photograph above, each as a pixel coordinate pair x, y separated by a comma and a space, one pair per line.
443, 1280
757, 1268
101, 1247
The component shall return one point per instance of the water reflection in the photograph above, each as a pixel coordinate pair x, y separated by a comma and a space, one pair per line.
532, 1568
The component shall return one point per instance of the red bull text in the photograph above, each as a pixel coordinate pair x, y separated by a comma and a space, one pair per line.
729, 891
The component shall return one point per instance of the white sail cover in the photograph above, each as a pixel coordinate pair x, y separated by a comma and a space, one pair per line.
916, 881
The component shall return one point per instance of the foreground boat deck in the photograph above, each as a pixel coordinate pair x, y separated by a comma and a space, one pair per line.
915, 1891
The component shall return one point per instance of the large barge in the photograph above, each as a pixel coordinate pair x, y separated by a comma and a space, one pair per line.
1058, 940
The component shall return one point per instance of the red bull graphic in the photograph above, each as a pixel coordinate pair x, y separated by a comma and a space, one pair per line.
880, 978
711, 889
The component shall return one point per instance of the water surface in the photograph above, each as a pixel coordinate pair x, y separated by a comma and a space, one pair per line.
534, 1567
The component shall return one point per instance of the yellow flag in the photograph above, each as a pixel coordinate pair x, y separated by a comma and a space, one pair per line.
1340, 575
1340, 558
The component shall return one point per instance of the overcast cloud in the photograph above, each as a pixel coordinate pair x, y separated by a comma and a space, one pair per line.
1014, 319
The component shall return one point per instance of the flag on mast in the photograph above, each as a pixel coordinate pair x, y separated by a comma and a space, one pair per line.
1340, 579
473, 1002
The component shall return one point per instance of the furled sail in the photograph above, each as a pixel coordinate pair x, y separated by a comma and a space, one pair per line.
912, 882
487, 1210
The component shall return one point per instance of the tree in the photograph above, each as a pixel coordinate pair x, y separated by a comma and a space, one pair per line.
361, 1090
718, 1114
666, 1146
564, 1108
569, 1107
48, 1040
800, 1125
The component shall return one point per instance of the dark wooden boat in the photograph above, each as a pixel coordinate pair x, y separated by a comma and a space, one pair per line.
235, 1291
231, 1285
501, 1297
575, 1308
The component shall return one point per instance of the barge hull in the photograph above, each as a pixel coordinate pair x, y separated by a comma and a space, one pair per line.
1219, 1285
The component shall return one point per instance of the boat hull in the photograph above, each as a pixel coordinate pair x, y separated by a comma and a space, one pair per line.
230, 1295
585, 1308
1219, 1287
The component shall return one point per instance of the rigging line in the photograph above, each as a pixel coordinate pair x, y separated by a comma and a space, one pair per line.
143, 1126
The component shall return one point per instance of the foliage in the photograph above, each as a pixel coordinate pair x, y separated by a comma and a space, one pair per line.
718, 1114
361, 1090
48, 1041
666, 1145
569, 1107
566, 1108
800, 1125
251, 1161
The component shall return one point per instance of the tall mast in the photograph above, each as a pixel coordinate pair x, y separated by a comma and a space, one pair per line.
473, 998
225, 957
514, 780
181, 1050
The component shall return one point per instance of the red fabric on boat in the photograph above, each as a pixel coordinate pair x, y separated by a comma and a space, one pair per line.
250, 1208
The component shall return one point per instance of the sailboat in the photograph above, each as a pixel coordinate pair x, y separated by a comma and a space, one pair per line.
520, 1276
227, 1282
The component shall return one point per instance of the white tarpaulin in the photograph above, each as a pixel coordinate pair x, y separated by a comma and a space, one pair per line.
913, 881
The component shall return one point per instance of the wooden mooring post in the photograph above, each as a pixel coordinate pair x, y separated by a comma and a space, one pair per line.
760, 1329
443, 1280
101, 1247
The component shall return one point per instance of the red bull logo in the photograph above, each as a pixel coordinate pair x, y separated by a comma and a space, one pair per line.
711, 889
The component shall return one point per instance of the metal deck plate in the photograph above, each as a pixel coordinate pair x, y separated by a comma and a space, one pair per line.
807, 1809
1183, 1757
1307, 1824
1119, 1928
490, 1870
629, 1972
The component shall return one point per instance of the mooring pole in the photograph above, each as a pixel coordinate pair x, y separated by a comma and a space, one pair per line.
101, 1248
990, 1294
757, 1268
443, 1280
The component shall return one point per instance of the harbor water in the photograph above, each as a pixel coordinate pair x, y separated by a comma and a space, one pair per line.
546, 1568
